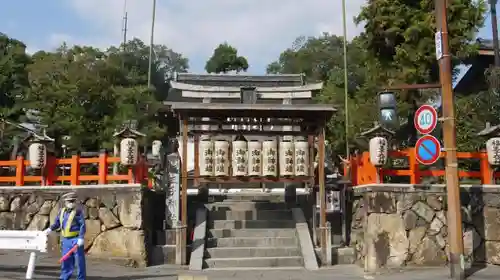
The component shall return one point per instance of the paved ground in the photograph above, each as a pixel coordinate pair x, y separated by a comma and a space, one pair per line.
13, 266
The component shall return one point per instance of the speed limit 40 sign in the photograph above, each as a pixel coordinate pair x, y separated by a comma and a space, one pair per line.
425, 119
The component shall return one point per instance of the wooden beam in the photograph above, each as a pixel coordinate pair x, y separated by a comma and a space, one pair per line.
322, 193
184, 187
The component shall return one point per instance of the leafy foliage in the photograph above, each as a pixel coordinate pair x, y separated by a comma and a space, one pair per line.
86, 93
225, 59
14, 86
400, 35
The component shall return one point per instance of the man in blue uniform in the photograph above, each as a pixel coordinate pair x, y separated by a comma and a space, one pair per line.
71, 222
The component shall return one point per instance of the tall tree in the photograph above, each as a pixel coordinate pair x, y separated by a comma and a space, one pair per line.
14, 86
399, 34
86, 93
321, 59
225, 59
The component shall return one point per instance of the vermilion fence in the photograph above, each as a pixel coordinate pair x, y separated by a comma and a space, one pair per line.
81, 171
363, 172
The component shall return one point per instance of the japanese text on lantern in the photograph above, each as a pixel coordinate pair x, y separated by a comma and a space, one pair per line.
271, 160
220, 160
240, 160
300, 161
496, 151
208, 157
289, 161
255, 164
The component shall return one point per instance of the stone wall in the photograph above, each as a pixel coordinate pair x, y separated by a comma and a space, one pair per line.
405, 225
118, 218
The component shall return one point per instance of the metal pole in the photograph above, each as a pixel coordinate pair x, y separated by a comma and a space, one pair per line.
346, 109
494, 30
449, 134
151, 41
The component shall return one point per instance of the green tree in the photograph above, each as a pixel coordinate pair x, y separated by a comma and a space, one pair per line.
14, 86
399, 34
225, 59
321, 59
87, 93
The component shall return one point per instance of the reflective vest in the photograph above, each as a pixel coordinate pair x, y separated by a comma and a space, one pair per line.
66, 231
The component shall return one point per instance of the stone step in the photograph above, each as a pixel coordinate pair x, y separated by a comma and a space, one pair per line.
251, 215
219, 233
254, 262
245, 206
252, 242
249, 224
256, 252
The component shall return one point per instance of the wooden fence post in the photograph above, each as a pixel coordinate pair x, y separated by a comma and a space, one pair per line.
103, 167
413, 166
20, 170
75, 169
486, 171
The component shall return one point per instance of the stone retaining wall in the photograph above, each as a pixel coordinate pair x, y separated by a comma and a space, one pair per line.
118, 218
397, 226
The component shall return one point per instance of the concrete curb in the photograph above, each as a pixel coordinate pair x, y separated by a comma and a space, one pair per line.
305, 241
198, 247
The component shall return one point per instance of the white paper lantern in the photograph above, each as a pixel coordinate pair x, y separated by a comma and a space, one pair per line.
378, 151
493, 150
286, 158
206, 158
37, 153
254, 158
156, 148
269, 158
221, 151
240, 158
129, 149
301, 158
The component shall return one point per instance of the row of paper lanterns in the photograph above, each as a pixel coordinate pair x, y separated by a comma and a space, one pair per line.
129, 151
253, 158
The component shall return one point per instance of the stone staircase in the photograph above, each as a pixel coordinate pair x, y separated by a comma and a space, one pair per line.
244, 233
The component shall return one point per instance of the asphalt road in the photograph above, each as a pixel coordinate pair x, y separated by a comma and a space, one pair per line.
13, 266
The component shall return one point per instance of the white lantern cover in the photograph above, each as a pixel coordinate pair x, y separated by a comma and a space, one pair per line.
270, 154
156, 148
379, 147
301, 158
254, 158
37, 153
221, 151
129, 150
493, 150
206, 158
240, 158
286, 158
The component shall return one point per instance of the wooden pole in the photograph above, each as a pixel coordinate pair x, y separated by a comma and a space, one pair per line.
184, 186
322, 196
449, 136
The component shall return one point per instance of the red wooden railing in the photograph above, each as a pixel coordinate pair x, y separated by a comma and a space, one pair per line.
363, 172
52, 175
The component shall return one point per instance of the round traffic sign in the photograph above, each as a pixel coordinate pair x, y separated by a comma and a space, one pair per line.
427, 149
425, 120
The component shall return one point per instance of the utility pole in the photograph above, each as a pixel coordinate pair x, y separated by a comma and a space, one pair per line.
494, 30
151, 42
125, 23
455, 234
346, 90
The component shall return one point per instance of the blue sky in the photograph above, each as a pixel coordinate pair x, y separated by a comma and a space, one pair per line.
260, 29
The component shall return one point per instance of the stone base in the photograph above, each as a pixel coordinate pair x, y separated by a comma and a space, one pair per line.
406, 225
117, 217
